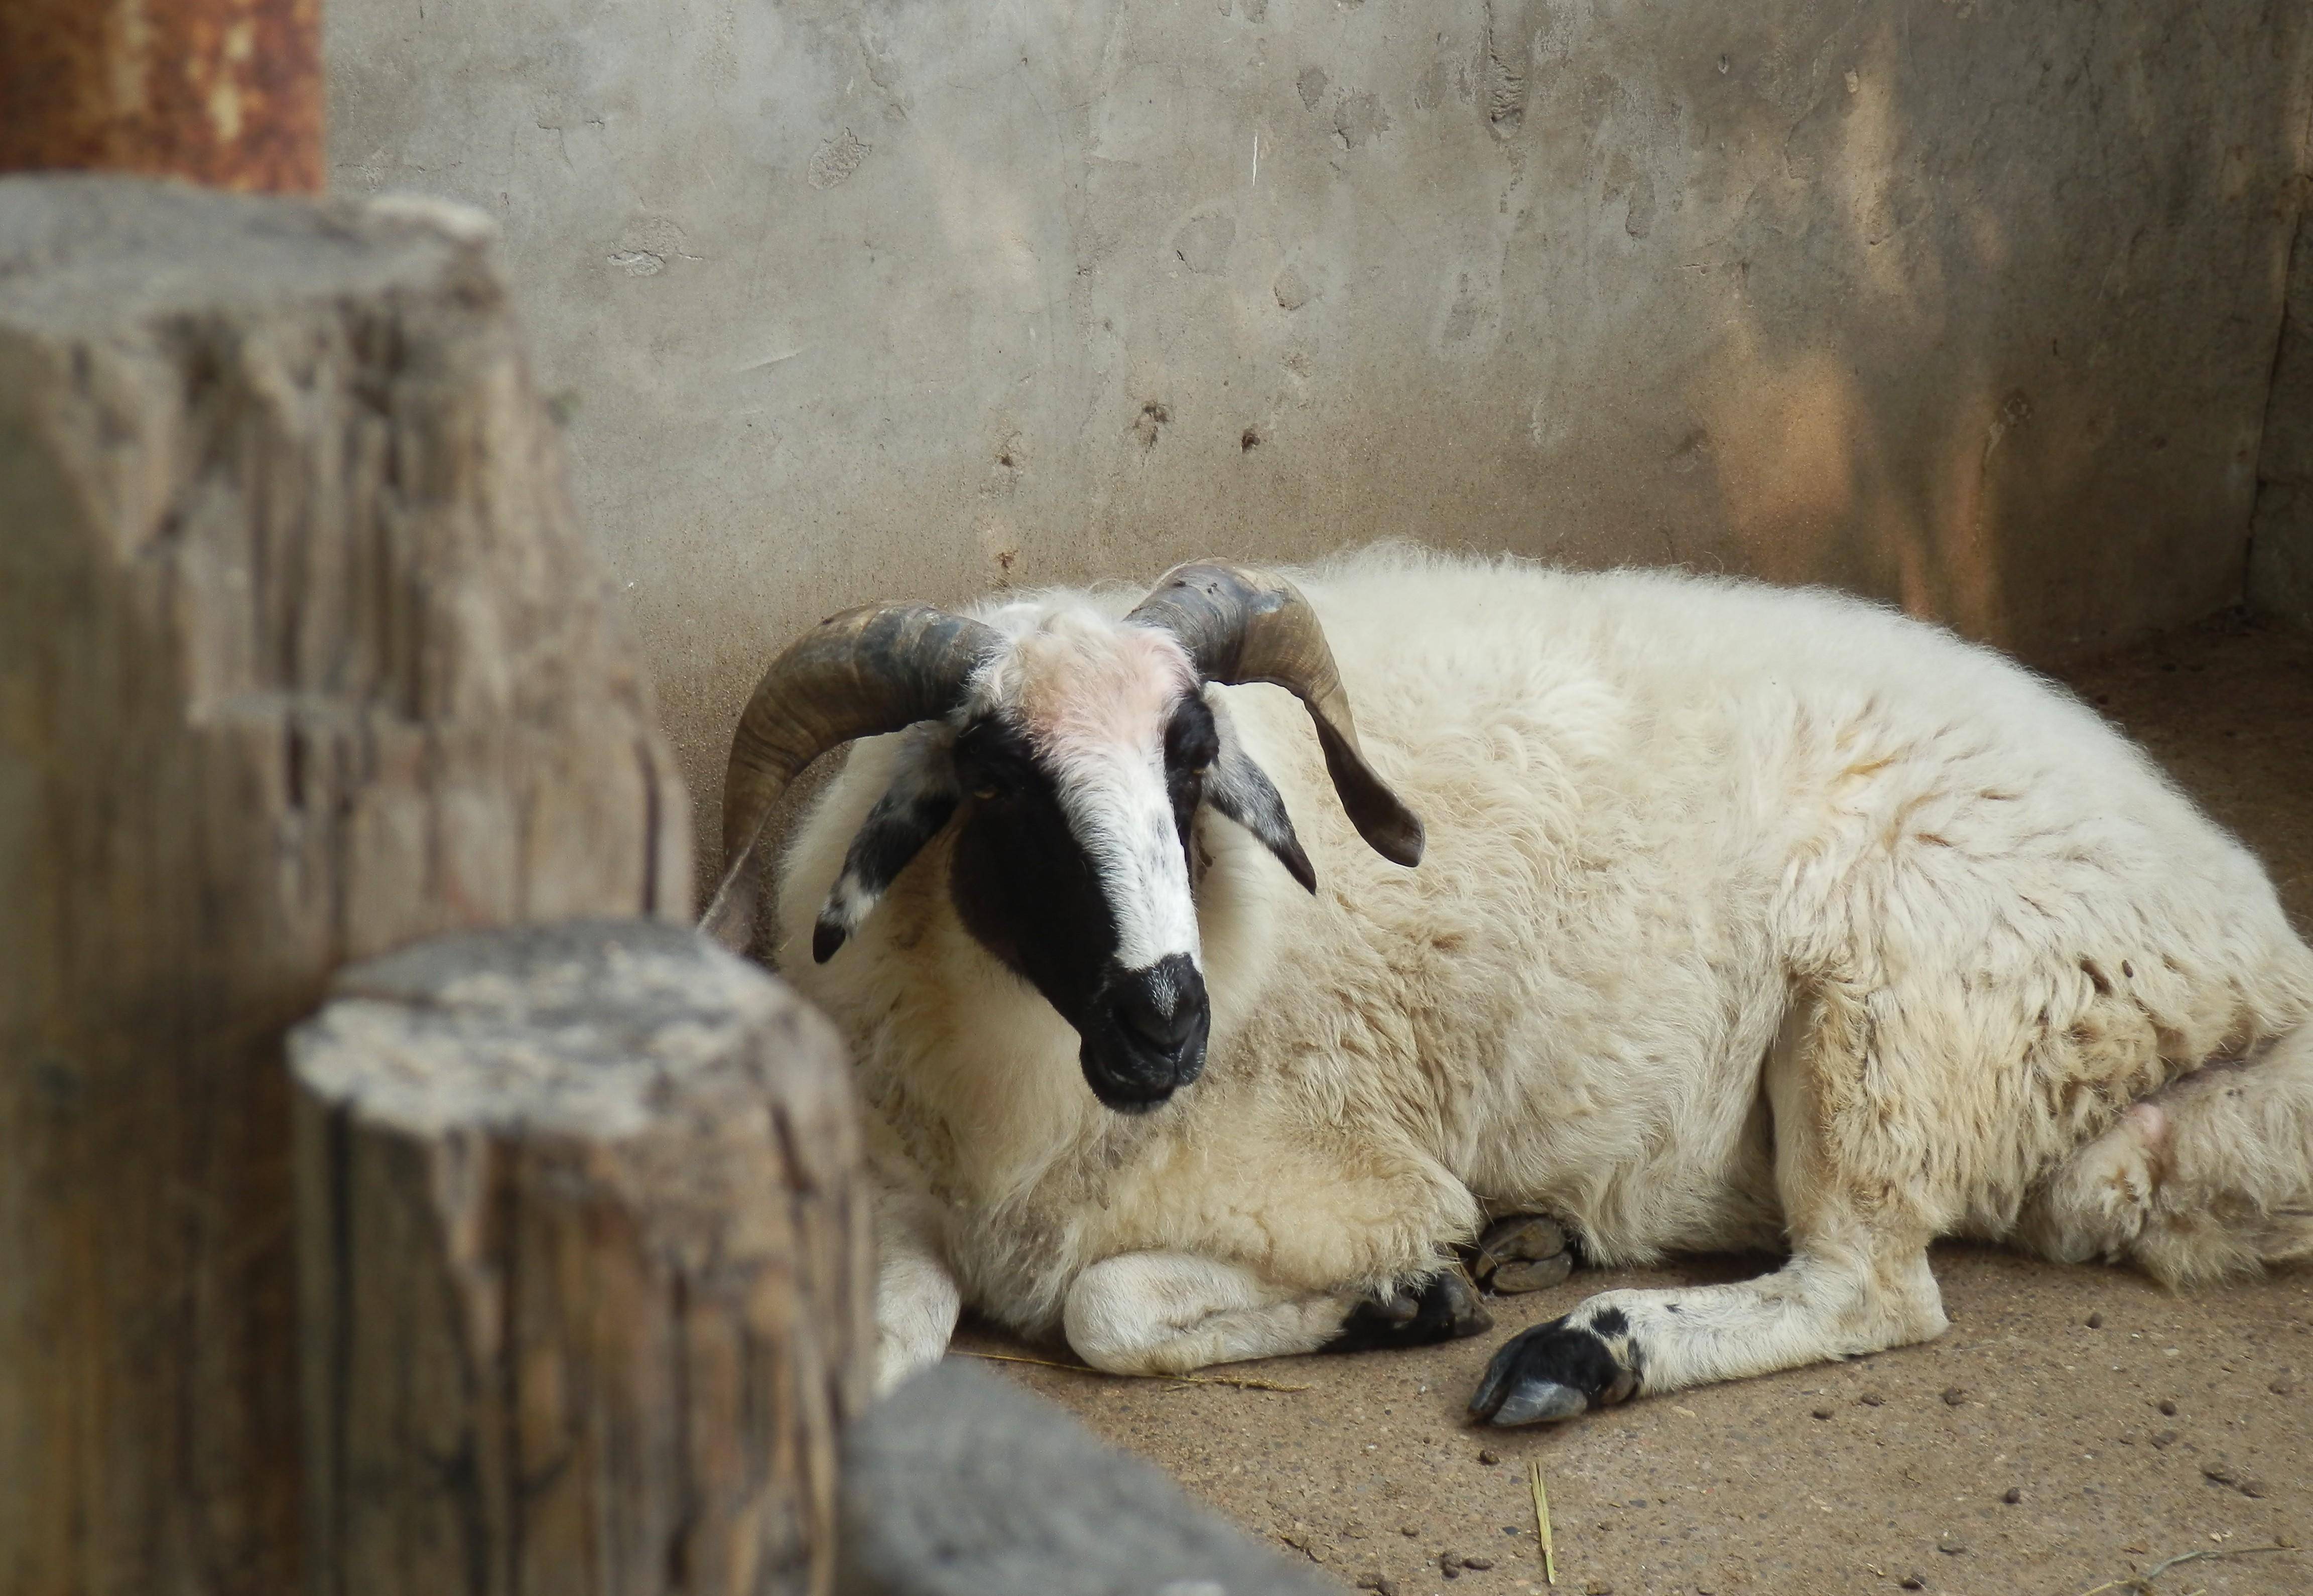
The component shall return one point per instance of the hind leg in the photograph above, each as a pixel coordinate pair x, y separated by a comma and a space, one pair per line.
1520, 1252
1858, 1280
2211, 1175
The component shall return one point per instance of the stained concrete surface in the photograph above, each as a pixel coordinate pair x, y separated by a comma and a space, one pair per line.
1846, 1477
2281, 532
1968, 305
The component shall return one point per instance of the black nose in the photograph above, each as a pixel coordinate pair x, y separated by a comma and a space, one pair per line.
1159, 1014
1148, 1039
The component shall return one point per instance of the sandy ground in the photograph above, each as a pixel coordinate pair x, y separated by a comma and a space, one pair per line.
2128, 1425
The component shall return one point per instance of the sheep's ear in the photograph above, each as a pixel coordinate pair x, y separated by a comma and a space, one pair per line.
921, 797
1242, 790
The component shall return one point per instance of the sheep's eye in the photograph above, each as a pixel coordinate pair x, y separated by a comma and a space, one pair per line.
1191, 743
986, 768
993, 779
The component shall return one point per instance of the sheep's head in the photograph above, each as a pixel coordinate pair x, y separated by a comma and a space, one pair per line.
1073, 760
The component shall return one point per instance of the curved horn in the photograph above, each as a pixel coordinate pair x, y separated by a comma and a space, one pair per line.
876, 669
1244, 624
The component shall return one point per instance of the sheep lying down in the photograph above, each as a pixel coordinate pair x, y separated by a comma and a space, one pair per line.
1196, 1021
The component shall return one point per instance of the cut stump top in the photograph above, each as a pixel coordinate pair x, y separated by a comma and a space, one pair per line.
83, 252
594, 1028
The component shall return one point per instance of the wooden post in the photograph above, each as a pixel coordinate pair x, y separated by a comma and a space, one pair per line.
586, 1265
226, 92
302, 657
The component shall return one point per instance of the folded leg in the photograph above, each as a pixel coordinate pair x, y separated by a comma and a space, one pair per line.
917, 1298
1169, 1313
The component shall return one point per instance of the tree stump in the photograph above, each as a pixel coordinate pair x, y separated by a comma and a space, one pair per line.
585, 1267
302, 657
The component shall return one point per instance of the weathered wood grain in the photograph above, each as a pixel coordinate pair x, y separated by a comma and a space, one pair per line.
584, 1261
302, 657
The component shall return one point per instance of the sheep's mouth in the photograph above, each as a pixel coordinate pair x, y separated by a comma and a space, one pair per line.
1135, 1081
1143, 1035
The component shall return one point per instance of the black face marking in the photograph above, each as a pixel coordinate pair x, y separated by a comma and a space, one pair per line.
1028, 893
1022, 882
1555, 1371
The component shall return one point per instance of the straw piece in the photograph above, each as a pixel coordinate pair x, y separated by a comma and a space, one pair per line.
1542, 1523
2142, 1583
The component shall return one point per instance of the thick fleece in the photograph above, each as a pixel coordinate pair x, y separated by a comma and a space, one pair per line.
1750, 917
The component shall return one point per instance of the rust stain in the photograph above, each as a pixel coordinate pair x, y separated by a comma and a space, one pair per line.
225, 93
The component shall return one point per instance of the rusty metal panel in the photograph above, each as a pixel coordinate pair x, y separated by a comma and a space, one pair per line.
226, 92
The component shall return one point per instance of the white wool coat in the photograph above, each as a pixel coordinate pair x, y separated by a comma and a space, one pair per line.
1665, 814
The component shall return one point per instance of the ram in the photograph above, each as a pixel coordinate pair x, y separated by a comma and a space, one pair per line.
1744, 917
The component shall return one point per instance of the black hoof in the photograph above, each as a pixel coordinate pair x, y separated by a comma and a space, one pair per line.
1521, 1252
1551, 1373
1444, 1308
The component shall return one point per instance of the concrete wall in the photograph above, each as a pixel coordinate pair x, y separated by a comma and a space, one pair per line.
2281, 537
1972, 305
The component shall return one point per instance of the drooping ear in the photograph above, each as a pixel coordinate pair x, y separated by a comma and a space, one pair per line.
1242, 790
921, 797
1240, 624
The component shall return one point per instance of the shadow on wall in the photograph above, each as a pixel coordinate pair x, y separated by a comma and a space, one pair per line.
2280, 539
2009, 369
1968, 307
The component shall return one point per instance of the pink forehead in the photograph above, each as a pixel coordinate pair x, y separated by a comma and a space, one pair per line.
1110, 684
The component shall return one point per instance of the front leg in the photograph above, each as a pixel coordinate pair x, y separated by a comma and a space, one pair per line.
1443, 1308
917, 1298
1170, 1312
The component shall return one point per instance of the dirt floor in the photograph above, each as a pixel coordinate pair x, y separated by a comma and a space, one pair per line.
2073, 1427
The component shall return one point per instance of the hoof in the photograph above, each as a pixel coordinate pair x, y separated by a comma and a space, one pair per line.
1445, 1308
1521, 1252
1549, 1374
1525, 1274
1538, 1402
